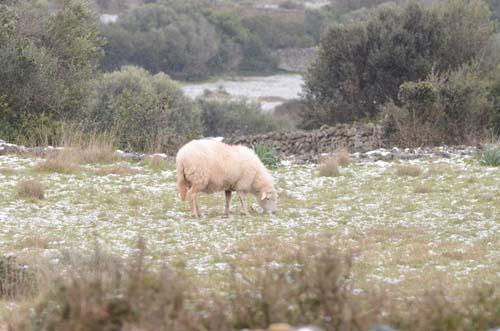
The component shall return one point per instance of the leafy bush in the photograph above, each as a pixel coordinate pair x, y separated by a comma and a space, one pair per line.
189, 42
224, 118
490, 156
266, 155
291, 113
47, 57
276, 34
28, 128
145, 112
170, 36
451, 108
362, 65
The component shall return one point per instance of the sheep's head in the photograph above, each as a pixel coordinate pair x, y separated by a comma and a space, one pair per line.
267, 201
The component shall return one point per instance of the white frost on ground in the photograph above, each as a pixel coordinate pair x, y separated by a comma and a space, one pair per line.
116, 210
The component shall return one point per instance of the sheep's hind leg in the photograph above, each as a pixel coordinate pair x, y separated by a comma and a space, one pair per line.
243, 200
195, 211
228, 202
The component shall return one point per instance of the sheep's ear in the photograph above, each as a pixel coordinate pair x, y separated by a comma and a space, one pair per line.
263, 196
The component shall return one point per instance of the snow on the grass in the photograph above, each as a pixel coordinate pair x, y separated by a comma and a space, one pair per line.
117, 210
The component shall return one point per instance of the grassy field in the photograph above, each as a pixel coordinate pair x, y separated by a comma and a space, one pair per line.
410, 225
439, 224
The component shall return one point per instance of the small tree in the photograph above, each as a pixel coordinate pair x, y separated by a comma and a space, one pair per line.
361, 65
146, 112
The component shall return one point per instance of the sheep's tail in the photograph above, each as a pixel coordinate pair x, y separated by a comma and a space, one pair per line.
181, 182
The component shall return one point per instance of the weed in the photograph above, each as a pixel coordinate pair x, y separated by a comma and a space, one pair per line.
408, 170
64, 162
329, 168
30, 189
342, 156
109, 294
490, 156
15, 279
266, 155
423, 188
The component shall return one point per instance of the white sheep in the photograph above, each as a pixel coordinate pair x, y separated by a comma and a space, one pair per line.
210, 166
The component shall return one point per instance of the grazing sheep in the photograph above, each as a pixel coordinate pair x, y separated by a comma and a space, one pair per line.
210, 166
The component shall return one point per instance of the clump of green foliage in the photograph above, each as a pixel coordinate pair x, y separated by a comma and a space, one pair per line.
225, 118
189, 41
146, 112
47, 56
452, 108
490, 156
361, 66
266, 155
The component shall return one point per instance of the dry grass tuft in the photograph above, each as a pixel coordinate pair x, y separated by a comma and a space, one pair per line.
108, 294
477, 309
30, 189
423, 188
135, 202
15, 279
7, 171
276, 282
98, 150
90, 147
34, 241
329, 168
121, 169
64, 162
408, 170
342, 156
156, 163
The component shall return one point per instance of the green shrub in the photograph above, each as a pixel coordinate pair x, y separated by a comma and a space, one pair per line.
490, 156
360, 66
47, 59
266, 155
147, 113
452, 108
224, 118
28, 128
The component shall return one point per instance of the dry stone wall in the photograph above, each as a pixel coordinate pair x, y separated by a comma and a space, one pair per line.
358, 137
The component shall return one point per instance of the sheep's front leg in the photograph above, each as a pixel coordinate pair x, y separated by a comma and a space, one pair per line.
228, 202
243, 199
195, 211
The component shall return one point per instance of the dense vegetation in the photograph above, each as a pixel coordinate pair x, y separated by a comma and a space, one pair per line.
423, 67
47, 59
433, 63
189, 41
